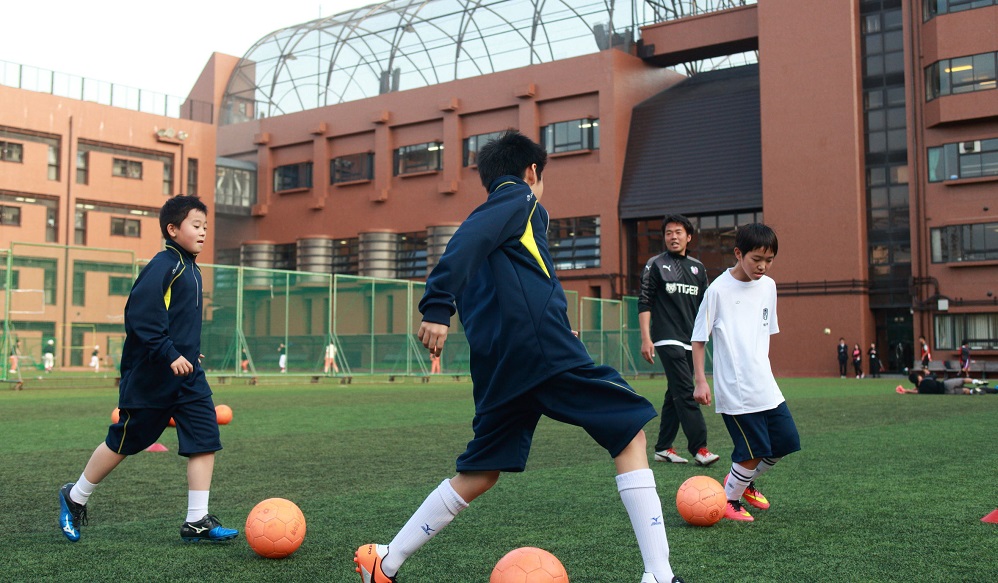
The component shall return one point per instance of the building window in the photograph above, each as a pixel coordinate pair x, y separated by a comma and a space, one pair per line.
192, 176
473, 144
933, 8
10, 216
426, 157
574, 243
956, 243
293, 176
960, 75
53, 169
979, 330
235, 189
126, 168
118, 286
82, 166
971, 159
411, 258
51, 222
123, 227
346, 256
11, 152
15, 279
351, 168
80, 228
168, 177
568, 136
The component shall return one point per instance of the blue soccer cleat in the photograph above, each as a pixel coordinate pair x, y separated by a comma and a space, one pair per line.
208, 529
71, 515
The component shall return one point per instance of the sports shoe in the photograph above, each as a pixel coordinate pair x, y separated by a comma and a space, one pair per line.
71, 515
207, 529
650, 578
368, 559
734, 511
669, 455
705, 458
755, 497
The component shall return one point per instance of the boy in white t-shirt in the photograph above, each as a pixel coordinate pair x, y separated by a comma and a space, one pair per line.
739, 309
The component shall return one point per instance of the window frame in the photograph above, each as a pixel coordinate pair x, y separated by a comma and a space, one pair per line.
290, 177
407, 159
122, 224
7, 149
555, 136
125, 168
341, 168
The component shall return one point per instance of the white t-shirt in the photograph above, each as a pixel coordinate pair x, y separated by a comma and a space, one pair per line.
741, 316
331, 351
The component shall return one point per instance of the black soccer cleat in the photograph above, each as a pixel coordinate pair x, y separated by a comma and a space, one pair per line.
208, 529
71, 515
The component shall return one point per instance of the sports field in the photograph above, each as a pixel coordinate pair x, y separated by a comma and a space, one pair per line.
886, 488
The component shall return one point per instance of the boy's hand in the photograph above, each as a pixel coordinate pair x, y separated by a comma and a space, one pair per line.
648, 350
181, 367
433, 336
701, 394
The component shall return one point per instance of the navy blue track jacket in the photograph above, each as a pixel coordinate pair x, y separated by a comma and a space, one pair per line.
162, 322
498, 274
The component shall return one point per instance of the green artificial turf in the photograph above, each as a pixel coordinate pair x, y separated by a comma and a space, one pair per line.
886, 488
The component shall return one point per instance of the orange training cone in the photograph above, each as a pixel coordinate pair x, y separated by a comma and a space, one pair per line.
157, 447
992, 518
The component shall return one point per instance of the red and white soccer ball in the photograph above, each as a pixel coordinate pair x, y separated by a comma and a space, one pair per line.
529, 565
701, 501
275, 528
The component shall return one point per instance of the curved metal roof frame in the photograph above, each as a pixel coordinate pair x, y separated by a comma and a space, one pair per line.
404, 44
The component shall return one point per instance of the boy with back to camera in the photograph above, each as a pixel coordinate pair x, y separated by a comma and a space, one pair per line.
525, 362
161, 377
740, 311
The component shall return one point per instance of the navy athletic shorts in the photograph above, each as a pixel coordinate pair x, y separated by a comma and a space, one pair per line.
595, 398
770, 433
137, 429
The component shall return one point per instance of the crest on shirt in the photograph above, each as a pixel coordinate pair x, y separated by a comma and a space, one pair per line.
765, 314
694, 270
670, 288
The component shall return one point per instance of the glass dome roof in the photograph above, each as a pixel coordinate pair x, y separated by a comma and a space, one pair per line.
405, 44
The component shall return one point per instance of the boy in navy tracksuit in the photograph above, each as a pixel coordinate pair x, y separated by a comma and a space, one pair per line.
161, 377
525, 362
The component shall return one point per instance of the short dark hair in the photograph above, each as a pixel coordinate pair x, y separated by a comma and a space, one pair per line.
176, 209
913, 377
680, 219
509, 155
756, 236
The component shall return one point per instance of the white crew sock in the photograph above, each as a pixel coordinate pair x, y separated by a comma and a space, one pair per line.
81, 491
436, 512
738, 479
644, 507
197, 504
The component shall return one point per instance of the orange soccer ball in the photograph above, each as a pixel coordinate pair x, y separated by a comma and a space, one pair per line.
275, 528
115, 415
224, 414
701, 501
528, 565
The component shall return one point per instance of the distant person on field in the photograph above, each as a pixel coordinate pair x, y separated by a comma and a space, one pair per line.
161, 378
843, 358
857, 360
282, 360
95, 358
48, 355
672, 288
497, 273
330, 362
739, 310
965, 359
874, 361
924, 354
15, 355
244, 360
435, 362
927, 384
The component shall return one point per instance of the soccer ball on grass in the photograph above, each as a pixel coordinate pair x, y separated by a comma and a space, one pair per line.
275, 528
701, 501
529, 565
